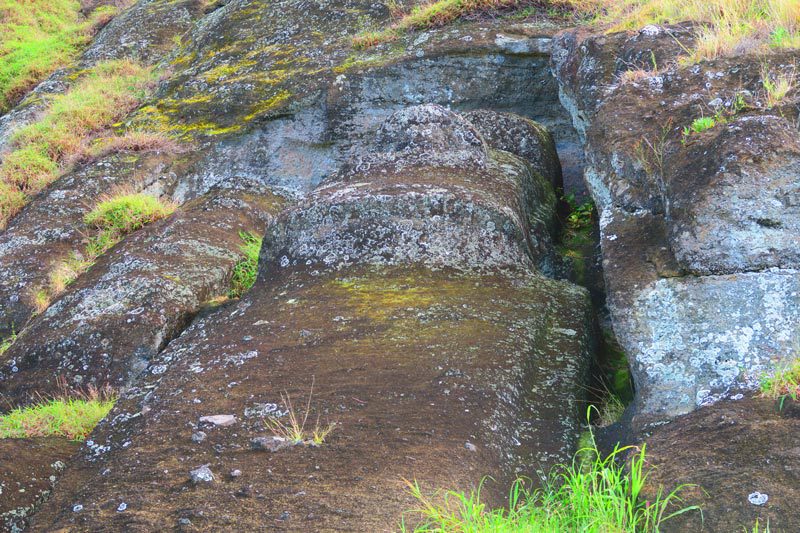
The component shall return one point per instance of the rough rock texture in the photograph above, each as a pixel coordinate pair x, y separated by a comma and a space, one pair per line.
734, 203
443, 199
150, 287
522, 137
51, 226
700, 231
28, 472
301, 101
734, 450
258, 97
438, 374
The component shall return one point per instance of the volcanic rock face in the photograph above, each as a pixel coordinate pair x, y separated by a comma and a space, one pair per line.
699, 230
408, 286
406, 276
437, 364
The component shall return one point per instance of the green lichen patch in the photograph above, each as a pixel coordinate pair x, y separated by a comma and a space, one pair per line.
248, 66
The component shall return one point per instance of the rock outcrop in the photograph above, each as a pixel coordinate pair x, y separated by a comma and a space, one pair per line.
699, 230
437, 363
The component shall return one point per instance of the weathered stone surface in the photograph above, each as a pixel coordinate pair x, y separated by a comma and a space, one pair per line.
733, 452
429, 191
52, 226
699, 232
148, 287
411, 362
522, 137
734, 200
146, 31
29, 469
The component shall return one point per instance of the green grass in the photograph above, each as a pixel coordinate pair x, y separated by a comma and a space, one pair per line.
61, 136
777, 86
702, 124
39, 36
6, 343
593, 494
70, 418
245, 271
120, 215
442, 12
723, 27
576, 236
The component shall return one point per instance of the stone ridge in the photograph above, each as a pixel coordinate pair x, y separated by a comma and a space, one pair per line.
699, 231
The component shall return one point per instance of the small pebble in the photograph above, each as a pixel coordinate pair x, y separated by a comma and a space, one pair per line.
758, 498
219, 420
202, 474
121, 507
271, 444
77, 508
236, 473
471, 447
199, 436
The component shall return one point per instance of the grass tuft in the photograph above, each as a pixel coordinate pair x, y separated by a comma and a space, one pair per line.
72, 418
594, 493
245, 271
120, 215
111, 219
6, 343
443, 12
700, 125
777, 86
294, 429
724, 27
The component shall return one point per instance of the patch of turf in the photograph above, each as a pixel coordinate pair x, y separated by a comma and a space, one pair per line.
39, 36
70, 418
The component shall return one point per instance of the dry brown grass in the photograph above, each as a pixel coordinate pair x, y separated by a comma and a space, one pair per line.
724, 27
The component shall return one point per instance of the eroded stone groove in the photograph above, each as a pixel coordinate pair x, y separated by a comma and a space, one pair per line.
147, 287
438, 366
